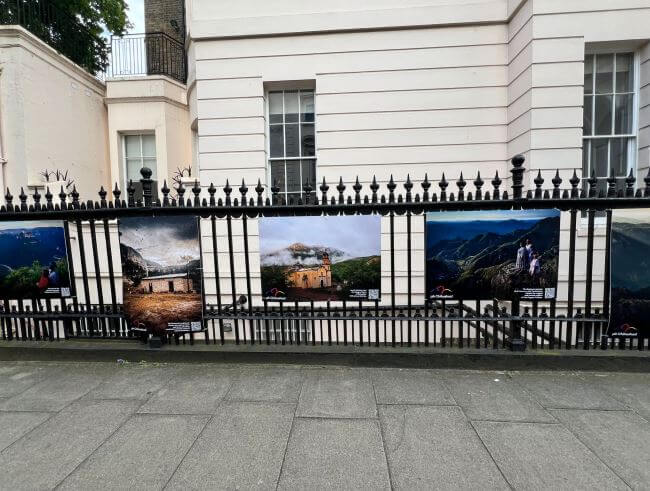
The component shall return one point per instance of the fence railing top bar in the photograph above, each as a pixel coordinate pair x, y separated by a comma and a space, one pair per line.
143, 35
259, 201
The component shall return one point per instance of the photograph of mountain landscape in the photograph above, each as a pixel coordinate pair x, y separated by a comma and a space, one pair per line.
630, 283
321, 258
161, 267
492, 254
33, 260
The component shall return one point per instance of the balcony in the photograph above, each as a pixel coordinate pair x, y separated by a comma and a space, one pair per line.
155, 53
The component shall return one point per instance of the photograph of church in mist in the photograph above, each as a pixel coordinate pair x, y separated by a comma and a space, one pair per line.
320, 258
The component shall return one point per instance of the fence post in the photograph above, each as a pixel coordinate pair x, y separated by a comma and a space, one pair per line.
146, 185
517, 175
516, 342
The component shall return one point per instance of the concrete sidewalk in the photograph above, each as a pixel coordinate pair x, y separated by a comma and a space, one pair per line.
155, 426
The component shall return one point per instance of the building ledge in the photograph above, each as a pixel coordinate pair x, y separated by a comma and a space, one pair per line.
152, 88
478, 12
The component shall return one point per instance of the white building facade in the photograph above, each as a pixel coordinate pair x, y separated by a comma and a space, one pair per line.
290, 92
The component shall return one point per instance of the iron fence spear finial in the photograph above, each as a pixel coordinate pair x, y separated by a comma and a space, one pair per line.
496, 183
574, 181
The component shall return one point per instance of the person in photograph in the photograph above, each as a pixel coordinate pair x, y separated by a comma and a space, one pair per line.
53, 276
44, 280
521, 262
535, 266
529, 251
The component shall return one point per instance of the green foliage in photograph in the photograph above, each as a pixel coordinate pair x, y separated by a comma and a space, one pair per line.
362, 273
21, 282
274, 277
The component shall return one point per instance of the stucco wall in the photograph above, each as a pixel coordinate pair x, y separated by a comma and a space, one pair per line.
53, 115
153, 104
408, 88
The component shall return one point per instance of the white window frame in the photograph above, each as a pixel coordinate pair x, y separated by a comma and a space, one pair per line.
267, 130
142, 157
632, 153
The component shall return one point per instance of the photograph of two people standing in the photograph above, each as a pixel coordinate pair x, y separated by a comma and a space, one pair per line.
492, 254
528, 260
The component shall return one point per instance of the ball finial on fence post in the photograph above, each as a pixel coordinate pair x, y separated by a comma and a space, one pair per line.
146, 182
517, 175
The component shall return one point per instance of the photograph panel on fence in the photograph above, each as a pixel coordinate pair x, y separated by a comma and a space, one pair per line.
630, 282
321, 258
489, 255
161, 267
33, 260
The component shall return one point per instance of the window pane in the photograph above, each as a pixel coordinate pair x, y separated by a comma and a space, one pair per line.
291, 139
618, 160
624, 107
624, 78
148, 145
133, 167
277, 174
277, 140
132, 144
307, 106
292, 198
293, 176
589, 71
275, 107
307, 144
604, 73
151, 163
309, 172
599, 157
291, 106
587, 127
603, 115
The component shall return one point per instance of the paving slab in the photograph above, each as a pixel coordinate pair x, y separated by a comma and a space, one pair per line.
493, 396
45, 456
621, 439
565, 390
242, 447
436, 448
632, 389
194, 390
545, 456
337, 393
398, 386
134, 381
266, 385
335, 454
16, 378
15, 425
62, 385
142, 454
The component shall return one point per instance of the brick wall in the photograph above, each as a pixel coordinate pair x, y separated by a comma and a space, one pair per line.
160, 15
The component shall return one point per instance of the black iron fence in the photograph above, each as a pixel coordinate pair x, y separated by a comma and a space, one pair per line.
235, 312
153, 53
